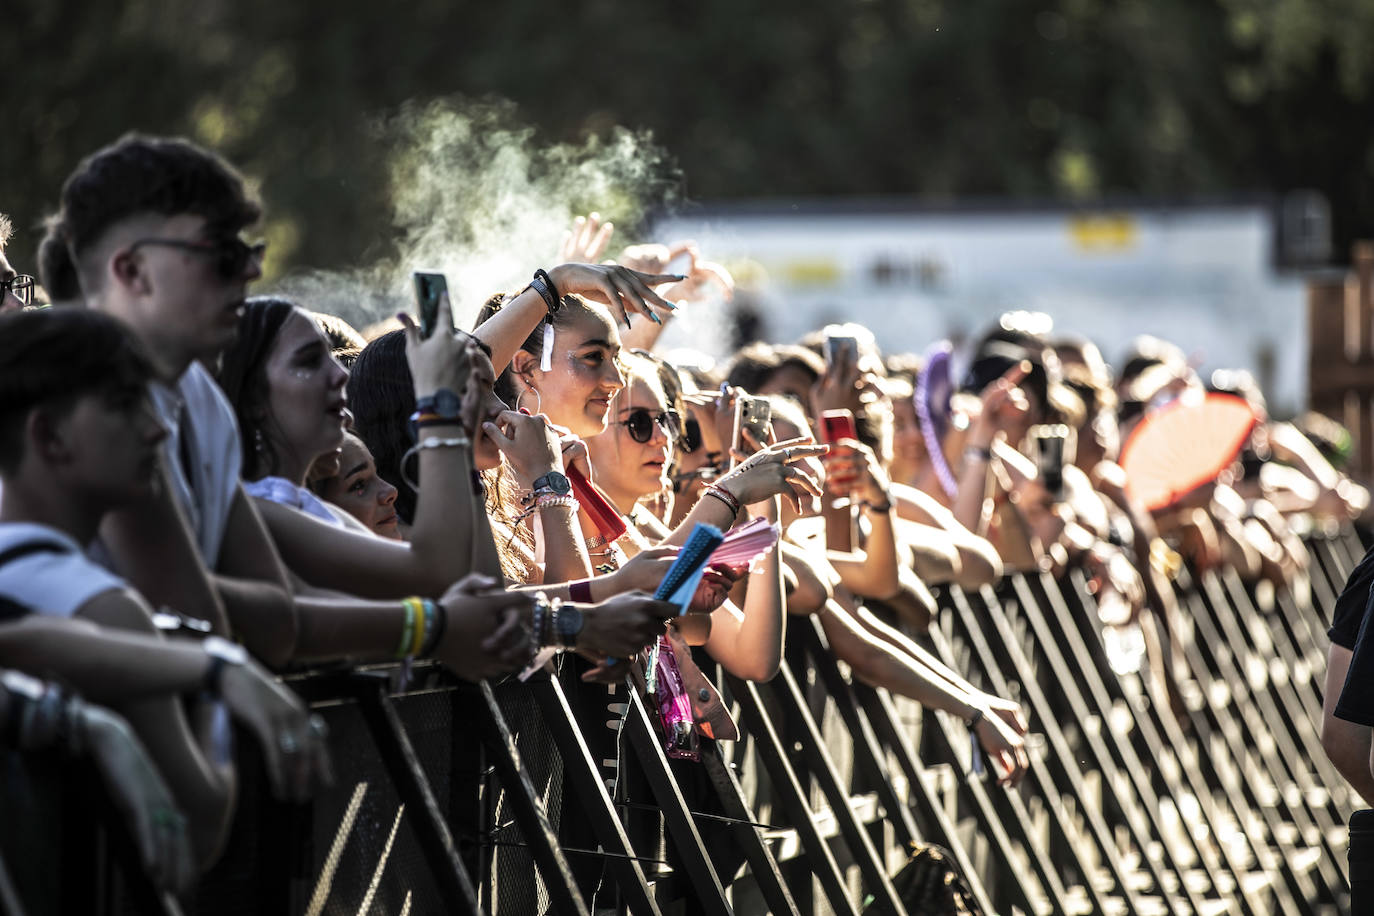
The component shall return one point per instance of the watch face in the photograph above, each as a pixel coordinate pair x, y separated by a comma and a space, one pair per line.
556, 482
446, 403
569, 621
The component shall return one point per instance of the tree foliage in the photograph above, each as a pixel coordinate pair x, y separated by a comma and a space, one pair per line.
752, 98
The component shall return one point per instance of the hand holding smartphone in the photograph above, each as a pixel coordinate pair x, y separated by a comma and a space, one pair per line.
842, 351
430, 288
837, 425
752, 414
1051, 444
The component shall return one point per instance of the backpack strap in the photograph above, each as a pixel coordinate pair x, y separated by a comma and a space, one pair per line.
18, 551
10, 609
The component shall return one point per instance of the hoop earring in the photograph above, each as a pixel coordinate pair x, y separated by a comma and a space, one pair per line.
538, 400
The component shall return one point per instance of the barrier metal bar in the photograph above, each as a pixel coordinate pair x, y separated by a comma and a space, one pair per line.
883, 716
1215, 721
1327, 582
1275, 639
762, 865
869, 753
369, 688
539, 832
1249, 627
1155, 728
822, 769
814, 652
1283, 757
705, 883
790, 794
1048, 867
590, 794
1058, 774
1141, 814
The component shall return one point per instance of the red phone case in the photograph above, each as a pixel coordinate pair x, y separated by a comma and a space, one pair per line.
608, 522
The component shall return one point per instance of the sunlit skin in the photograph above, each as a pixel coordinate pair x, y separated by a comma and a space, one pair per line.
909, 453
583, 376
628, 470
358, 490
486, 454
176, 300
306, 404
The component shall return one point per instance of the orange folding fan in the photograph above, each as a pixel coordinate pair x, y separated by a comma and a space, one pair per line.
1184, 445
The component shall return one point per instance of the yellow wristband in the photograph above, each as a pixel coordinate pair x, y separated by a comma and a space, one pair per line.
417, 608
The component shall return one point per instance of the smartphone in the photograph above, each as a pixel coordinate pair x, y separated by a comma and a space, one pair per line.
837, 425
839, 349
1050, 442
753, 414
430, 287
609, 524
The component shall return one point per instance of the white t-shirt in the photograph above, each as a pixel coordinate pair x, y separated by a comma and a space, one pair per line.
280, 490
50, 582
214, 456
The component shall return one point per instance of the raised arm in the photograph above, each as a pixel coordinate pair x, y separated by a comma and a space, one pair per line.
625, 291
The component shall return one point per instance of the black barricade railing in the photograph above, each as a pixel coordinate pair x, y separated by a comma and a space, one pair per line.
456, 798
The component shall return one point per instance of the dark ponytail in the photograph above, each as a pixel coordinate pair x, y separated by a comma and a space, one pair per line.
56, 268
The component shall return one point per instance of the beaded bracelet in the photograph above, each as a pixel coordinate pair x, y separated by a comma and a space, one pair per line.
726, 497
436, 621
541, 607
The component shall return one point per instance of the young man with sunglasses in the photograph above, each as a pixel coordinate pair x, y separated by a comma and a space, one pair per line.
16, 289
148, 231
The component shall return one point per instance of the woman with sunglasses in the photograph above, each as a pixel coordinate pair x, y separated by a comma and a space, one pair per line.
632, 458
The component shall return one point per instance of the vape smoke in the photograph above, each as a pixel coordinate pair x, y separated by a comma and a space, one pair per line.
476, 196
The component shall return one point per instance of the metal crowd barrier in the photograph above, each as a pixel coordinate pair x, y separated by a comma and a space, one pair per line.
450, 797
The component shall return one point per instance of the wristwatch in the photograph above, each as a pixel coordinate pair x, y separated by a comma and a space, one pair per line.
442, 402
553, 482
567, 624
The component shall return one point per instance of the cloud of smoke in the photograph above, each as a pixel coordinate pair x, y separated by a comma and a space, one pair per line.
476, 196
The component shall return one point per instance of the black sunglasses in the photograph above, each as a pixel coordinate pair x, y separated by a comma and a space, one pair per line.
19, 284
691, 436
232, 255
640, 421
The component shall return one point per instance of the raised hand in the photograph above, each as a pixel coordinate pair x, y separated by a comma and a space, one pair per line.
700, 277
444, 359
622, 289
1004, 405
530, 445
840, 387
586, 241
775, 471
851, 467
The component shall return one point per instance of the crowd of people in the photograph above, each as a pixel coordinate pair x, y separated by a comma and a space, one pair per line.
201, 488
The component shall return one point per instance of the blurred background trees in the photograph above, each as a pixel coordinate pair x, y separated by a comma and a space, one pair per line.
943, 99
